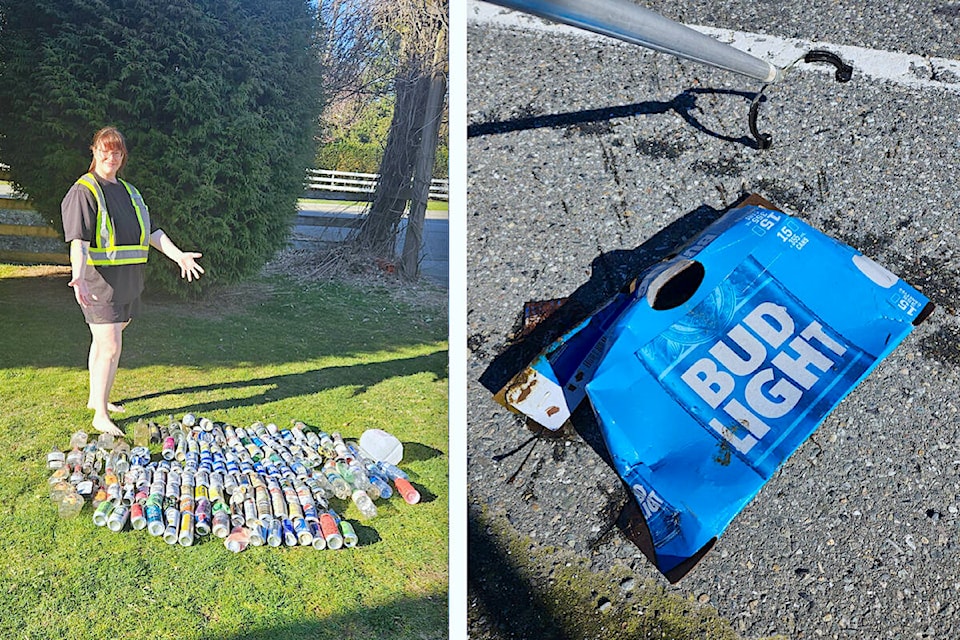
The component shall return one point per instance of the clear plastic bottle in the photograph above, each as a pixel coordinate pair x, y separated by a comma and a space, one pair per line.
89, 457
364, 504
60, 489
141, 434
155, 435
105, 441
379, 482
74, 458
392, 471
169, 449
55, 459
63, 473
345, 472
340, 487
78, 440
76, 476
70, 505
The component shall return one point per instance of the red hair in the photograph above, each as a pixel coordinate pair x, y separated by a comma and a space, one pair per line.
110, 139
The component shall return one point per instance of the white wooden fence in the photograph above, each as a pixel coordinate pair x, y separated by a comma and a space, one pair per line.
366, 183
317, 180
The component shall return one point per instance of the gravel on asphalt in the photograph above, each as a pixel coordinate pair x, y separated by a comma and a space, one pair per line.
584, 148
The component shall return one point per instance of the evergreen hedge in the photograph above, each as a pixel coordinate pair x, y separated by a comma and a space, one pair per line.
218, 99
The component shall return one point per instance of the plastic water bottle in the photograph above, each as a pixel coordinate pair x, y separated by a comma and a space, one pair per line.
89, 457
155, 435
340, 487
141, 434
74, 458
169, 449
364, 504
392, 471
105, 441
378, 481
78, 440
55, 459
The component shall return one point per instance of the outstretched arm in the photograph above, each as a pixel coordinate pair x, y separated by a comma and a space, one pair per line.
187, 260
78, 263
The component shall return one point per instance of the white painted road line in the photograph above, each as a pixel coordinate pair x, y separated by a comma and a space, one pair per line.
909, 70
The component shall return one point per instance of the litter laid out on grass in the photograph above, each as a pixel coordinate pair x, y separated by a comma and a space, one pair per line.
256, 486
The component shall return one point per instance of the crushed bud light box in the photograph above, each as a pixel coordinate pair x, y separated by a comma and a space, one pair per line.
715, 365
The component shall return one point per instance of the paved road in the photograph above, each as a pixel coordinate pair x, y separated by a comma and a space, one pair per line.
328, 223
583, 149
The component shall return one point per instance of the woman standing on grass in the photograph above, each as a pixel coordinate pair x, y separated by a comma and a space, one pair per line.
108, 227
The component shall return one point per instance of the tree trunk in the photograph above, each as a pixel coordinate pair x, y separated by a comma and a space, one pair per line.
423, 170
422, 25
378, 230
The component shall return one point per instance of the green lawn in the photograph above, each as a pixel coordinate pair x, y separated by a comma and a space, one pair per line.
334, 356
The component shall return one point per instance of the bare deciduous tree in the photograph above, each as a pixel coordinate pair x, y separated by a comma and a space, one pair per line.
420, 87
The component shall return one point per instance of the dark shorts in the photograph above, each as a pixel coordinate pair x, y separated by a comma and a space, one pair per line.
111, 313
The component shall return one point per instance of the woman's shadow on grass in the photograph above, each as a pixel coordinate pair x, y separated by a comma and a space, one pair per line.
280, 387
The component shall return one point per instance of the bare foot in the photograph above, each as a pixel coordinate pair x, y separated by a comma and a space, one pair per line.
104, 424
112, 408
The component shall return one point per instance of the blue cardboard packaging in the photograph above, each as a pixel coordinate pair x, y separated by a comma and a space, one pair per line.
716, 365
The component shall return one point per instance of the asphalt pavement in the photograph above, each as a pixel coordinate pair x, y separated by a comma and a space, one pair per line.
582, 150
326, 222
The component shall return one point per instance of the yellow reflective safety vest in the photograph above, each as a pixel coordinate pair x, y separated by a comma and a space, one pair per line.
104, 249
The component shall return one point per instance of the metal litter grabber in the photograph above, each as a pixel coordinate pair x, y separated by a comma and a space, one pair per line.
624, 20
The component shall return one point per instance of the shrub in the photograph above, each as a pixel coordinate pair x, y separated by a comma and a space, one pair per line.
218, 100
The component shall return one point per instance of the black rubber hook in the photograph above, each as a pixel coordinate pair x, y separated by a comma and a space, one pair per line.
843, 73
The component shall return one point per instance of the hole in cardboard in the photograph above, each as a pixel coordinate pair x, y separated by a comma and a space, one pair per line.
675, 285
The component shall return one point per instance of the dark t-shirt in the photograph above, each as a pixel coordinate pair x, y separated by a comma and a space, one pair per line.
121, 283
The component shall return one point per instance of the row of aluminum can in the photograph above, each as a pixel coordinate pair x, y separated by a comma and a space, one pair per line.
260, 486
